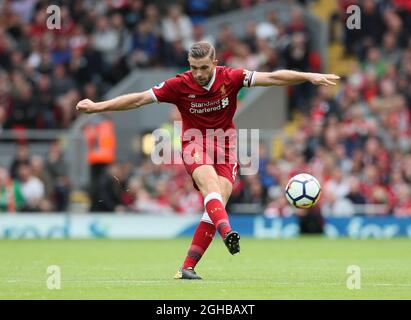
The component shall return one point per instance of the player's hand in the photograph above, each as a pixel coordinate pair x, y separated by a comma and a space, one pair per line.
320, 79
87, 106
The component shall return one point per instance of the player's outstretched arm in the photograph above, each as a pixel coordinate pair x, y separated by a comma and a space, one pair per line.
124, 102
290, 77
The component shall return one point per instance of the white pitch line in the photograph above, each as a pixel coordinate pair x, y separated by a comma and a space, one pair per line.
205, 282
393, 285
110, 281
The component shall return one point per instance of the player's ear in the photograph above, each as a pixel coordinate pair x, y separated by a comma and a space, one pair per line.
215, 62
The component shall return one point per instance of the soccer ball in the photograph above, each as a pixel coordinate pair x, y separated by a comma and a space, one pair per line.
303, 191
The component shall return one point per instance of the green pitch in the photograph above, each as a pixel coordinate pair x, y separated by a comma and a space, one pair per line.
304, 268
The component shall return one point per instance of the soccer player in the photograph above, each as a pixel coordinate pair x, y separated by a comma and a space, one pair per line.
206, 97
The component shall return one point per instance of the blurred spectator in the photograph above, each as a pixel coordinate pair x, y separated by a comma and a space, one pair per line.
403, 205
335, 205
134, 14
164, 199
250, 38
61, 81
24, 110
21, 157
198, 10
57, 171
145, 203
337, 184
145, 45
106, 39
43, 99
32, 188
152, 16
133, 188
38, 170
296, 54
109, 188
3, 118
390, 50
176, 26
355, 195
11, 195
277, 205
371, 22
64, 106
178, 55
296, 57
243, 58
61, 53
199, 35
223, 6
119, 68
101, 145
297, 23
268, 29
254, 192
226, 43
310, 220
189, 201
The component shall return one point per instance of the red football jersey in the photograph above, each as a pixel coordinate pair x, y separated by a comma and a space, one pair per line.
209, 107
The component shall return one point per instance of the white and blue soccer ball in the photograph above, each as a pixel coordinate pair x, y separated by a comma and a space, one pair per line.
303, 191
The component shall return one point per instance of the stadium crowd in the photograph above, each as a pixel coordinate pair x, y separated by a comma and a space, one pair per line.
34, 183
44, 71
356, 142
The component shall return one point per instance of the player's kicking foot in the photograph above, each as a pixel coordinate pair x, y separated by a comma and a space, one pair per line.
188, 274
232, 241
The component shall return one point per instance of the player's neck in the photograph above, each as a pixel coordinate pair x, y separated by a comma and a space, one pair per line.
211, 81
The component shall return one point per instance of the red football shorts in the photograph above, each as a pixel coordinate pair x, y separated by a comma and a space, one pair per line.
222, 158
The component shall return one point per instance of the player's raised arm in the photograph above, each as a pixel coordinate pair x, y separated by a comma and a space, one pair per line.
124, 102
290, 77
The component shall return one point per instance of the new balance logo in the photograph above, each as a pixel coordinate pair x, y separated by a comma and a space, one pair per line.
192, 96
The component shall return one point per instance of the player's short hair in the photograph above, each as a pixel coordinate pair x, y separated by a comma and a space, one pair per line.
201, 50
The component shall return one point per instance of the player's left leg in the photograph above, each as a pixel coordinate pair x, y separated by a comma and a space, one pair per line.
203, 236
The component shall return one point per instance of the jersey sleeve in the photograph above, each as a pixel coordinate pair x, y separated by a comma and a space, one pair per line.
166, 91
241, 77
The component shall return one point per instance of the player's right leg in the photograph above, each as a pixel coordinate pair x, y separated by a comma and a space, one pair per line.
232, 239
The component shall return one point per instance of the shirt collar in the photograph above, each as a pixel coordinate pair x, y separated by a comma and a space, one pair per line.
210, 83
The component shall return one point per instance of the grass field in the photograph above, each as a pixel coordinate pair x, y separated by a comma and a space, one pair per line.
304, 268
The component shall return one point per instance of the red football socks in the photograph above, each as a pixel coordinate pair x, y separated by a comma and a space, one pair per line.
201, 240
206, 230
216, 211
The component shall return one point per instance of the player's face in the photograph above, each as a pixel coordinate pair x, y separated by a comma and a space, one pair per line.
202, 69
